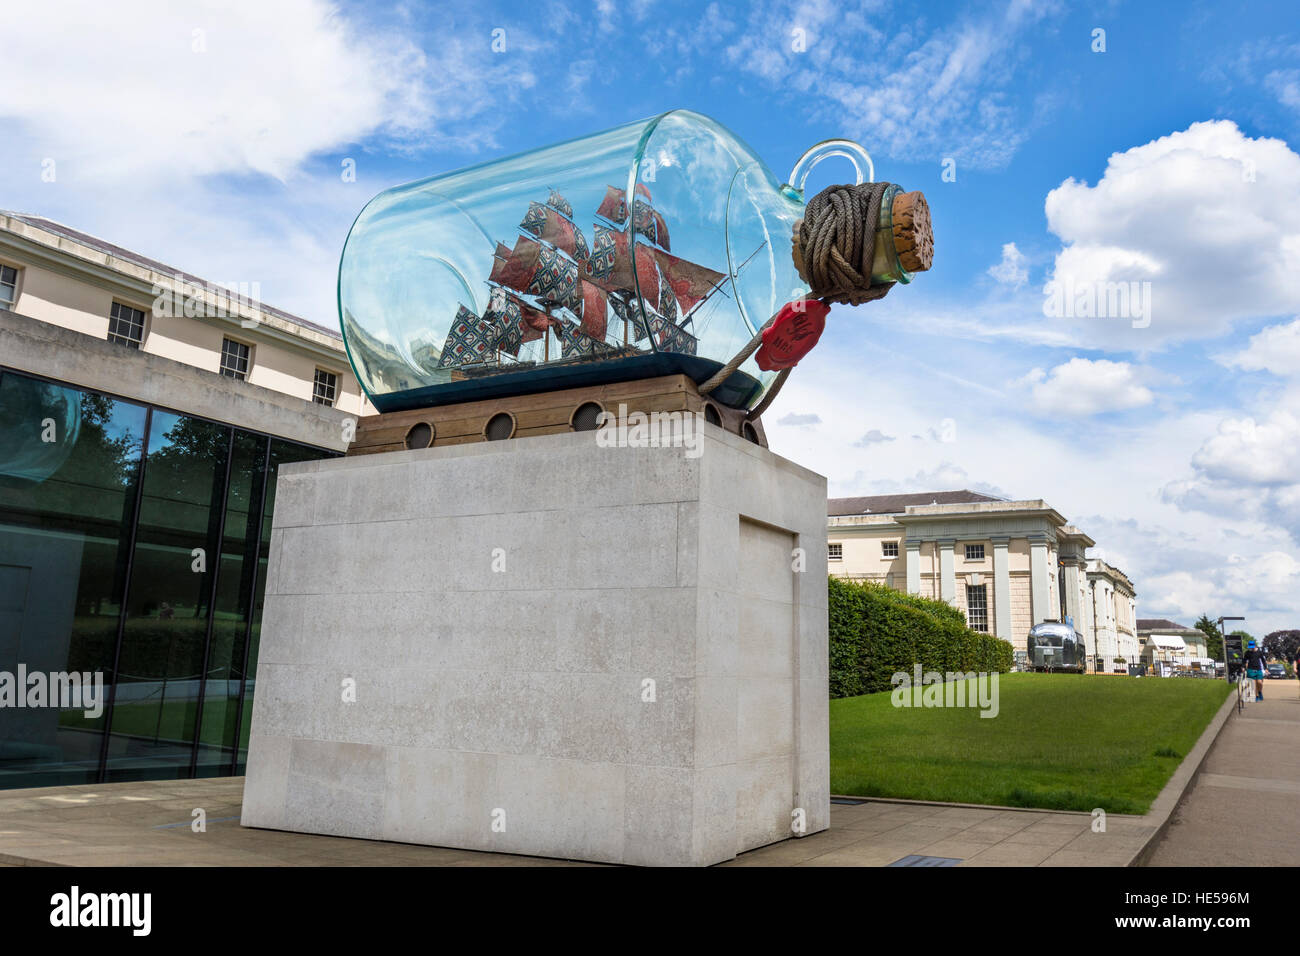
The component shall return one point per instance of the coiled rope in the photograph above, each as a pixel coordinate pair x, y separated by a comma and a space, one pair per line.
833, 248
835, 243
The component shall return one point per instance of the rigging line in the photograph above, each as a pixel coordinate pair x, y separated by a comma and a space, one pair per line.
689, 316
702, 325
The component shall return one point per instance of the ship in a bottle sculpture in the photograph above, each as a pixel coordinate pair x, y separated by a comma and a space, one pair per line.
661, 258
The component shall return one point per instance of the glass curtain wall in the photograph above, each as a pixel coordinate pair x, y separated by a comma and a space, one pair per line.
133, 549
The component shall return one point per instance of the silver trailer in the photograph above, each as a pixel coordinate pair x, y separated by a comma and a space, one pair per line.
1053, 646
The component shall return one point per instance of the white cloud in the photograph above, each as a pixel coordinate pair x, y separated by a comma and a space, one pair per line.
1245, 451
1087, 387
175, 90
797, 419
873, 437
1262, 585
921, 92
1207, 215
1250, 467
1274, 349
944, 476
1011, 270
1285, 85
212, 161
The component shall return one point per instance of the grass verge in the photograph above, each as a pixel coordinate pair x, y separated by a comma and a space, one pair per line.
1059, 742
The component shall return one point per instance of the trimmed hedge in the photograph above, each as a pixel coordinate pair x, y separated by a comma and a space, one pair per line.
876, 631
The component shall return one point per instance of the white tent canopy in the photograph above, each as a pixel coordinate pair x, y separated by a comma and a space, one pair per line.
1169, 642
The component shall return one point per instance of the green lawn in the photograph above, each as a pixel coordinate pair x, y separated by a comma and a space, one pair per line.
1060, 741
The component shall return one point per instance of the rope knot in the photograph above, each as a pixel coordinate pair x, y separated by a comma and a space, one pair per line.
834, 244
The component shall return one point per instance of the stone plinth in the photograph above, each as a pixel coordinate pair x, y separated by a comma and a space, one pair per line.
556, 649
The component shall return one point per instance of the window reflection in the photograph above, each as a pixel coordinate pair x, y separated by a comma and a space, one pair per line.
68, 467
281, 453
239, 552
171, 602
168, 599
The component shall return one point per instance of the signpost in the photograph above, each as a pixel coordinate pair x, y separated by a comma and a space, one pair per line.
1232, 650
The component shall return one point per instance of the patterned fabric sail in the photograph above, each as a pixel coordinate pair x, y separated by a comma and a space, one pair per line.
516, 270
552, 264
555, 280
574, 343
549, 226
470, 340
689, 281
671, 337
649, 223
610, 265
645, 220
667, 300
668, 336
556, 201
594, 313
517, 321
613, 207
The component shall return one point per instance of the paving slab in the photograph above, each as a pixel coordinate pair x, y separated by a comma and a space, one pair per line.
1250, 784
148, 824
1243, 808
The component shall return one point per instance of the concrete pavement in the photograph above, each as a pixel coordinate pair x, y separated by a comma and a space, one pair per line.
1235, 799
148, 824
1243, 809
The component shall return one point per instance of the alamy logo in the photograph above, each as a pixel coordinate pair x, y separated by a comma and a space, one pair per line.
1098, 300
653, 430
236, 300
57, 689
74, 908
950, 689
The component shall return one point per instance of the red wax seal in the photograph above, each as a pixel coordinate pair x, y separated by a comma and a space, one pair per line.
792, 334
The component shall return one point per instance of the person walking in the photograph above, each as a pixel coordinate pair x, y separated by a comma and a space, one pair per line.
1255, 668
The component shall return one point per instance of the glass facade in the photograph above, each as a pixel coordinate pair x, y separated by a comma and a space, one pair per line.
133, 548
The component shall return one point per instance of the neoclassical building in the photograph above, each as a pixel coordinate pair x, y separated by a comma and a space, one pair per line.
68, 279
1112, 607
1008, 565
144, 415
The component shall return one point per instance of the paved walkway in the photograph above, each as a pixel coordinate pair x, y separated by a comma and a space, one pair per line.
1244, 807
148, 824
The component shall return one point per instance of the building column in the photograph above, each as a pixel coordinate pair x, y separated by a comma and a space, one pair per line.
1002, 589
913, 567
1071, 608
947, 578
1039, 589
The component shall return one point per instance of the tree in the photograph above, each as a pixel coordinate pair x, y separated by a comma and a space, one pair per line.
1283, 645
1213, 639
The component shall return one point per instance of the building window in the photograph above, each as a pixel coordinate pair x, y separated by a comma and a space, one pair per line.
234, 359
974, 552
137, 482
977, 607
325, 388
8, 286
126, 326
889, 549
835, 551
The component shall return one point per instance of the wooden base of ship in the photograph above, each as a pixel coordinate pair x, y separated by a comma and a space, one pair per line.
543, 413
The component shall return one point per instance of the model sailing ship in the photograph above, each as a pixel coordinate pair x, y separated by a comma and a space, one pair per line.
599, 312
552, 283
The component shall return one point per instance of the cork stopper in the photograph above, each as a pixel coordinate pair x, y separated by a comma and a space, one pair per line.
913, 235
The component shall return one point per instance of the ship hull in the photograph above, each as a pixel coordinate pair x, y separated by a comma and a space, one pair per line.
736, 392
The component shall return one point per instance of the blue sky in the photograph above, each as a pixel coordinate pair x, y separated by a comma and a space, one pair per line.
212, 137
